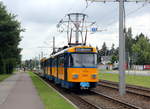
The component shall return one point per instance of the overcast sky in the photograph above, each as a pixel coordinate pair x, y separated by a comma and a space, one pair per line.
39, 18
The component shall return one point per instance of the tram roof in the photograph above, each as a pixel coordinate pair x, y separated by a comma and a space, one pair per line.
72, 49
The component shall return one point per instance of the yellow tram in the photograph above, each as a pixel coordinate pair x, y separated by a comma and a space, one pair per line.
74, 67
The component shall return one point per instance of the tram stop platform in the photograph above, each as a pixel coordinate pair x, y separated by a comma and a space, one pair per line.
18, 92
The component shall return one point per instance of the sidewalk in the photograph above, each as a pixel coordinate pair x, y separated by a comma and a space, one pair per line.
18, 92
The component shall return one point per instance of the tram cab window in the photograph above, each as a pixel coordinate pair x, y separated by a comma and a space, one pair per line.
82, 60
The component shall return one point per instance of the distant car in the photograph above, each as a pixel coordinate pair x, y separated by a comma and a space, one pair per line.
115, 68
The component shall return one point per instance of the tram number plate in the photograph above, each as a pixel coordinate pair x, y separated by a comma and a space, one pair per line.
85, 75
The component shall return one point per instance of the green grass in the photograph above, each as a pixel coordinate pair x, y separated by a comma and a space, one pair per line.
130, 79
4, 76
50, 98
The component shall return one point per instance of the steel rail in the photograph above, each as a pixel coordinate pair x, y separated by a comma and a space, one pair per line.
130, 89
127, 105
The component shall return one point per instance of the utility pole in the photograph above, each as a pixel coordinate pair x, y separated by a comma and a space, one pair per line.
53, 44
39, 63
122, 84
42, 54
77, 28
35, 62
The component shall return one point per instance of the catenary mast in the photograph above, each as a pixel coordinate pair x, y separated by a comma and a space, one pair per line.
122, 84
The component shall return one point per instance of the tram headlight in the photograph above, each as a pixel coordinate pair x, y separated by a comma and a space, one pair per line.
75, 76
94, 76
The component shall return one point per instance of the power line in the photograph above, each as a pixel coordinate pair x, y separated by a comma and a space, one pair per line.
134, 11
87, 6
130, 13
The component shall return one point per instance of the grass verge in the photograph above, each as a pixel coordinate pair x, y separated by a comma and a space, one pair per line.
4, 76
49, 97
130, 79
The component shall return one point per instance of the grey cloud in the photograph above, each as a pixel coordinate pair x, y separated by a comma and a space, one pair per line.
39, 17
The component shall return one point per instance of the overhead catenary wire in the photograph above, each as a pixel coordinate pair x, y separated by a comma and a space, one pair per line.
57, 34
87, 6
129, 13
137, 9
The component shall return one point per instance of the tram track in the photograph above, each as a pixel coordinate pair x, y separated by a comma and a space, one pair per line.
72, 96
92, 99
136, 95
117, 104
137, 90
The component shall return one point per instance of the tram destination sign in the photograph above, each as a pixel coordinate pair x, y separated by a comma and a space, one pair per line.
84, 49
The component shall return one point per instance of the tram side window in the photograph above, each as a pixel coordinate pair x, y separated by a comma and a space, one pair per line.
66, 60
48, 63
58, 61
70, 61
41, 64
55, 62
61, 60
44, 63
52, 62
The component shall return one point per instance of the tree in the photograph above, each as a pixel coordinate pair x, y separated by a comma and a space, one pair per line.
141, 50
10, 30
2, 65
104, 50
129, 42
114, 59
112, 50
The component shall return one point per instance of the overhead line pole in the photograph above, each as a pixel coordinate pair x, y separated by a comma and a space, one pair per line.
53, 44
122, 84
77, 29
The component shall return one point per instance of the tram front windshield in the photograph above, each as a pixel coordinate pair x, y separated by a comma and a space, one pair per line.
83, 60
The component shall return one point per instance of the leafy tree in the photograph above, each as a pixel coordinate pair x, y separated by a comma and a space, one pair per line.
98, 55
137, 49
2, 65
9, 40
129, 41
141, 50
104, 50
114, 59
112, 50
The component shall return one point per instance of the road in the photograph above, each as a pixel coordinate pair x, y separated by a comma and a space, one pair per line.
132, 72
